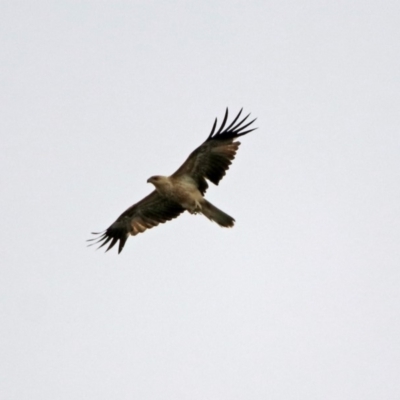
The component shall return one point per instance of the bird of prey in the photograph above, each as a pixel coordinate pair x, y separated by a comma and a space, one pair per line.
184, 189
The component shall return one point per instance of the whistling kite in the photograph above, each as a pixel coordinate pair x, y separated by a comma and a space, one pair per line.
184, 189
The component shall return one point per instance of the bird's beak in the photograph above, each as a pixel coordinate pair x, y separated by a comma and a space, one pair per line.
149, 180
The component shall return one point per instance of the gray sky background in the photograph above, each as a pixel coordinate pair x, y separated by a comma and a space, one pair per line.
300, 300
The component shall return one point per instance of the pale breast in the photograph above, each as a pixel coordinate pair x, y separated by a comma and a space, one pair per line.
184, 191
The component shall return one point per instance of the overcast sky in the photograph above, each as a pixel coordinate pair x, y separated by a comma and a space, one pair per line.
300, 300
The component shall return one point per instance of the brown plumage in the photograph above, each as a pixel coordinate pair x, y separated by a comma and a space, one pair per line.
184, 189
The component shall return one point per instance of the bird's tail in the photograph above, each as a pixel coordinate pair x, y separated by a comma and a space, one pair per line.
215, 214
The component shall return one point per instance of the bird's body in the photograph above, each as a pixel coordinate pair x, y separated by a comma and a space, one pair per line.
184, 189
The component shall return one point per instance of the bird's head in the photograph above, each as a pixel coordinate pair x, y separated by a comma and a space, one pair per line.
157, 180
152, 179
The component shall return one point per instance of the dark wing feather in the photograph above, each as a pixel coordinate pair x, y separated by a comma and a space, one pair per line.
147, 213
212, 159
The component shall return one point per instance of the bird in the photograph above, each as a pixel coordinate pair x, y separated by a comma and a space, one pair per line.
183, 190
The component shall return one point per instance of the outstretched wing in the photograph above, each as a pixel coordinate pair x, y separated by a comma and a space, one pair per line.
212, 159
147, 213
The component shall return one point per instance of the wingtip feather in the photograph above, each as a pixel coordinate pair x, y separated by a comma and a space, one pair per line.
213, 129
235, 129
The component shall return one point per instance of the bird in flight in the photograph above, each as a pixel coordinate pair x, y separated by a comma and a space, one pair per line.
184, 189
